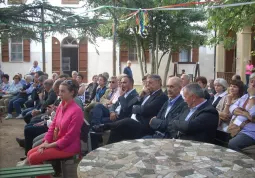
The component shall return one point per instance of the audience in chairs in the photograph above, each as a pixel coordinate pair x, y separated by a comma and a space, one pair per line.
236, 91
243, 112
100, 112
18, 101
187, 113
63, 137
145, 107
170, 109
220, 86
199, 121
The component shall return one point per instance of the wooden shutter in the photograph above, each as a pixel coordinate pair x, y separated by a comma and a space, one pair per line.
5, 52
26, 50
175, 57
83, 59
123, 53
70, 1
17, 2
147, 56
195, 54
55, 55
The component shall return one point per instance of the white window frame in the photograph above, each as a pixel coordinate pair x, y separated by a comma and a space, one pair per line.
10, 50
189, 57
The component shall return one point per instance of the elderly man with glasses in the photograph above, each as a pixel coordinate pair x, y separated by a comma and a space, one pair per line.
106, 101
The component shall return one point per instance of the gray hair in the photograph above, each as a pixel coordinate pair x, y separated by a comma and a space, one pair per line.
222, 82
74, 72
252, 75
155, 77
195, 89
29, 77
186, 76
42, 78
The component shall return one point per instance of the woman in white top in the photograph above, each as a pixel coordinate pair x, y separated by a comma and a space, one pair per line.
220, 86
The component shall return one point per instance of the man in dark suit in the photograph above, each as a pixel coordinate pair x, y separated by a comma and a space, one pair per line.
121, 109
170, 109
147, 106
199, 121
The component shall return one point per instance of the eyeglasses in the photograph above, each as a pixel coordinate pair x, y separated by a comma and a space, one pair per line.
112, 81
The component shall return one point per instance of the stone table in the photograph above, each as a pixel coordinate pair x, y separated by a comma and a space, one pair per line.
165, 158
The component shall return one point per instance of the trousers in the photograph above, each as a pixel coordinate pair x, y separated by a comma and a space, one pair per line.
240, 141
35, 158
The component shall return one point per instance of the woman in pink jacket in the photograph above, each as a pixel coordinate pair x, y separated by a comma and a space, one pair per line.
63, 137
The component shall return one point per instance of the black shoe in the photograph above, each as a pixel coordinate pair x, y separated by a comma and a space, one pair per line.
98, 128
21, 142
23, 158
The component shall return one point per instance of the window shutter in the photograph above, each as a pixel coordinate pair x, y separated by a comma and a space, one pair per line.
55, 55
70, 1
175, 57
195, 54
147, 56
26, 50
123, 53
83, 59
5, 52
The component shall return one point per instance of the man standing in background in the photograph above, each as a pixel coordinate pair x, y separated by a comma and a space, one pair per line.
35, 68
127, 69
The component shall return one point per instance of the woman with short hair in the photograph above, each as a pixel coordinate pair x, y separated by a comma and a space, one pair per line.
220, 86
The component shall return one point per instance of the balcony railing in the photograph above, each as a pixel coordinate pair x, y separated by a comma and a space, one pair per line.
226, 75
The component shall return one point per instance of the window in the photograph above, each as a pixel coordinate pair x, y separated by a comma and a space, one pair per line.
13, 2
70, 1
185, 56
132, 53
16, 51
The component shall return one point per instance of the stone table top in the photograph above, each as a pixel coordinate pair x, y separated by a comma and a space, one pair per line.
165, 159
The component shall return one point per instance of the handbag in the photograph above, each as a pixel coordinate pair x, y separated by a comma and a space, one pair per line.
234, 129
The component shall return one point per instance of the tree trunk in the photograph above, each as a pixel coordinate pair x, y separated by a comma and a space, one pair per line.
138, 49
144, 57
157, 47
167, 68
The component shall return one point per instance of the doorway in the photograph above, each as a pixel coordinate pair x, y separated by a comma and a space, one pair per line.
69, 55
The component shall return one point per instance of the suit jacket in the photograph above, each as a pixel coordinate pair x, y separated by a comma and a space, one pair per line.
49, 98
201, 126
126, 104
150, 109
160, 123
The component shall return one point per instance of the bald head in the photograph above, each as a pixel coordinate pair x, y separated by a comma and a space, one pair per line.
185, 80
35, 63
174, 86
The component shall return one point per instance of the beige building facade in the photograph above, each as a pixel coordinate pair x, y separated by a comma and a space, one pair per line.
233, 61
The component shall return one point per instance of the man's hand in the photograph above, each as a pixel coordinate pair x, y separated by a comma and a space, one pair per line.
151, 120
113, 116
35, 112
144, 92
39, 124
251, 91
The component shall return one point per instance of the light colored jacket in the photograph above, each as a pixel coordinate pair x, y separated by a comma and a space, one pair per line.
14, 88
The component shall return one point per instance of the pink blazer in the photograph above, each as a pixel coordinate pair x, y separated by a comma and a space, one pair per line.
69, 121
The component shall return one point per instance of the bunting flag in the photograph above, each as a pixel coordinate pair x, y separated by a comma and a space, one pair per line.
142, 21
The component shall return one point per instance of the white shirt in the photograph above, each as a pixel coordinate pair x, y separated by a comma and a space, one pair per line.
117, 110
35, 69
171, 104
216, 96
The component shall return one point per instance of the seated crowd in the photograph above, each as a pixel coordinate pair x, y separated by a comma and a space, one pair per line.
54, 110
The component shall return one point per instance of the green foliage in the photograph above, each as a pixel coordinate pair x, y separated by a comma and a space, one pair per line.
25, 21
230, 20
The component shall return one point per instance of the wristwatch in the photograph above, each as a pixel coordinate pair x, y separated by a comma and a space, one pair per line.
251, 97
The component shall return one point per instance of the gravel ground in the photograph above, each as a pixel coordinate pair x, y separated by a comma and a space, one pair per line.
10, 152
